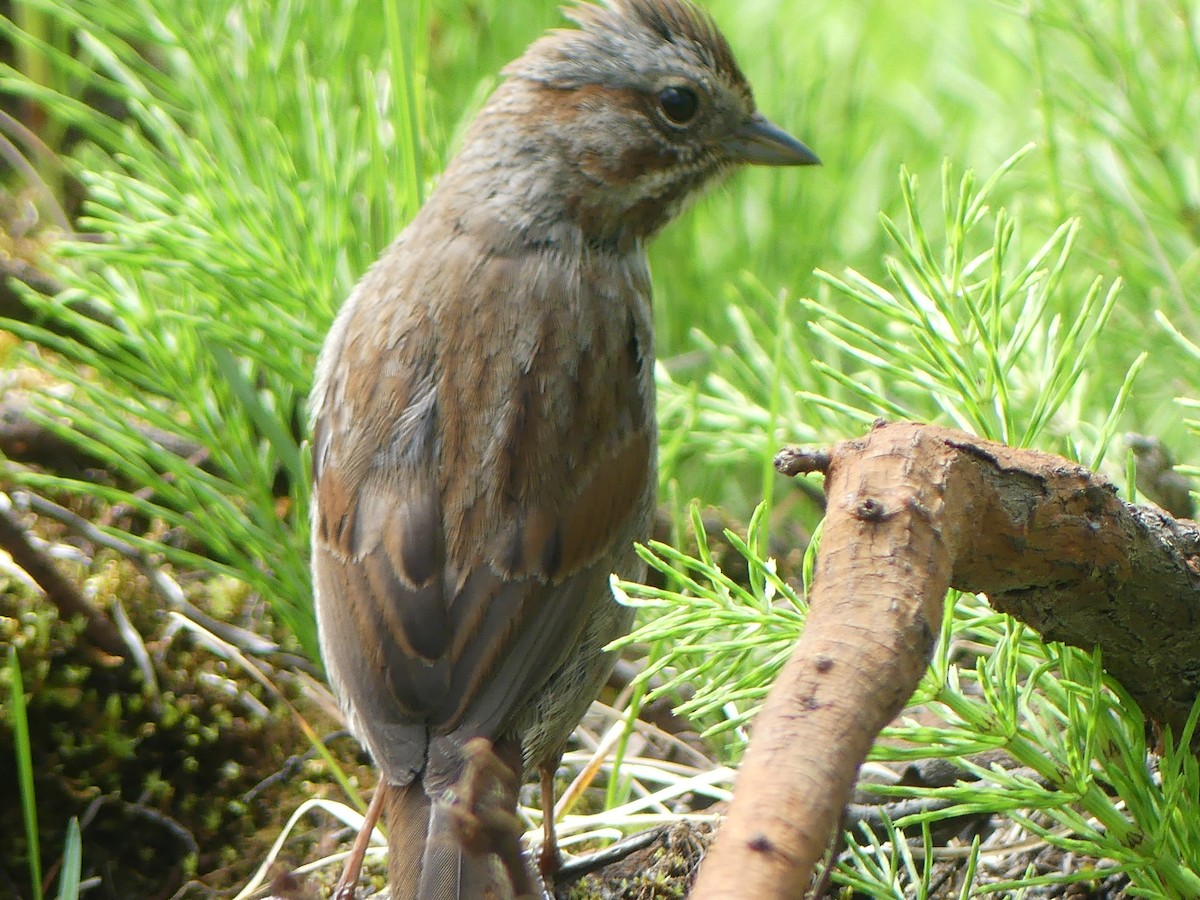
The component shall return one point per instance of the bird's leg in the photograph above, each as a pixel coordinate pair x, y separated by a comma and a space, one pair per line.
485, 805
549, 860
349, 880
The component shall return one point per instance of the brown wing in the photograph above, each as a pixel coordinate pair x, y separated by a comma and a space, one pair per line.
481, 463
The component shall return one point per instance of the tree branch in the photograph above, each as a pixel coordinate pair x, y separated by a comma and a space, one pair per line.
914, 510
59, 590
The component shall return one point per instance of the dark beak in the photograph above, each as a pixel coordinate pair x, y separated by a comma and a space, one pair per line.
758, 142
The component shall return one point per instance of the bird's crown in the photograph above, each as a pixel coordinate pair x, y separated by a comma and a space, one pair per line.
631, 44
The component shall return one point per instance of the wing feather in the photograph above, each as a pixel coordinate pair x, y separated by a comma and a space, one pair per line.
482, 461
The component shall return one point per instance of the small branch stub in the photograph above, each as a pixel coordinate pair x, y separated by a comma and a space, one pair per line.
793, 461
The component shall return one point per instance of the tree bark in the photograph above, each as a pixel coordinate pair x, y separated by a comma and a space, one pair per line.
912, 511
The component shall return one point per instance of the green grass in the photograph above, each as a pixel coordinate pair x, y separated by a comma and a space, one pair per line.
68, 876
267, 150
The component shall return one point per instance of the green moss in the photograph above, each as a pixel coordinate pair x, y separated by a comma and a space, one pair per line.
161, 782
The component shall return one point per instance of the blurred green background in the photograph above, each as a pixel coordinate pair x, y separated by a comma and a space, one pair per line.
240, 162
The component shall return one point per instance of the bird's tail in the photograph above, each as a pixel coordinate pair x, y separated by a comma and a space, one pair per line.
426, 858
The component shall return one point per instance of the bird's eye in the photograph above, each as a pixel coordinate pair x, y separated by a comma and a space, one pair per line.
679, 104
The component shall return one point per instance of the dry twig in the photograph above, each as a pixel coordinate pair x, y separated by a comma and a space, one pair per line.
914, 510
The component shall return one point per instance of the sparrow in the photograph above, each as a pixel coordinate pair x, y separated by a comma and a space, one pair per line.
484, 438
